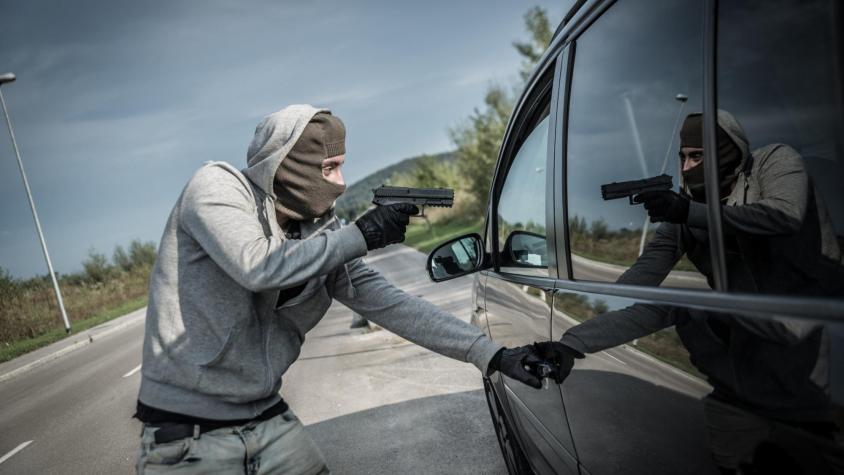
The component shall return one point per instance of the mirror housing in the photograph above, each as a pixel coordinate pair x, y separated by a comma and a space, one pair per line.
457, 257
525, 249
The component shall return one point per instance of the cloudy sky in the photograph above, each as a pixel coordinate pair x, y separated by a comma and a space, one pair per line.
118, 102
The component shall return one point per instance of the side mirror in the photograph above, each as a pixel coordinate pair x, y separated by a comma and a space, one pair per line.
455, 258
525, 249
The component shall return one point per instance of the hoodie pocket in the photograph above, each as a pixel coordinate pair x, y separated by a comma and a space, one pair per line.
237, 373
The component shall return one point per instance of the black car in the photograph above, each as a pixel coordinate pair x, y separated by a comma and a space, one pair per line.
737, 363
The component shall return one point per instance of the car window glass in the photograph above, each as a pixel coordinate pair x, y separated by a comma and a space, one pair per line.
780, 104
521, 206
780, 96
628, 98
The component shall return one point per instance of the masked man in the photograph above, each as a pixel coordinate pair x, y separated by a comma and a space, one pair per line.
250, 260
779, 239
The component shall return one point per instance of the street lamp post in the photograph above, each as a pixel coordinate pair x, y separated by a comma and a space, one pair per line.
6, 78
681, 98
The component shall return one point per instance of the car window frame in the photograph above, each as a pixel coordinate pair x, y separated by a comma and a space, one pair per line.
545, 82
718, 299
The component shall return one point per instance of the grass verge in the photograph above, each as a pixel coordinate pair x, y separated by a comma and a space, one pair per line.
14, 349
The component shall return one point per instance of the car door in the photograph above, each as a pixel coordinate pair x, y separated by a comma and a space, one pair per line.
634, 73
519, 291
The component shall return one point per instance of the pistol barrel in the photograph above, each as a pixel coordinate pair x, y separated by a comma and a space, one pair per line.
622, 189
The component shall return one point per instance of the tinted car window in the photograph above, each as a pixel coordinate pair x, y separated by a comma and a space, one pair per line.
521, 206
628, 97
780, 87
779, 99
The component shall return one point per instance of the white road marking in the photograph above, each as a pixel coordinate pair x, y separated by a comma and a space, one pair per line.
130, 373
613, 357
14, 451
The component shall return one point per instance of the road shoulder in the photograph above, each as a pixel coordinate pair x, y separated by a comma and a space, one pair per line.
44, 355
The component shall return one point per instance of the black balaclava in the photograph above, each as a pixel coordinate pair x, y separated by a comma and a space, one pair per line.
729, 158
302, 192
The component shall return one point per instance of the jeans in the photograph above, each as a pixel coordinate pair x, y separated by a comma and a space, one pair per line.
277, 445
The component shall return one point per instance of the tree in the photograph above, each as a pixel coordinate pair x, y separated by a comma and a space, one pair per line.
429, 172
599, 229
142, 254
537, 25
121, 259
478, 138
97, 268
478, 141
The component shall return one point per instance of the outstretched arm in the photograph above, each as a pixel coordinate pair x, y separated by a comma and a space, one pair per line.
621, 326
618, 327
415, 319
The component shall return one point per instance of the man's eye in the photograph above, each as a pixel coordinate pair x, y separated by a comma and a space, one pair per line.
696, 155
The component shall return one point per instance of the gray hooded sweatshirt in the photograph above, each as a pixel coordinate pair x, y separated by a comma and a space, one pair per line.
779, 239
215, 345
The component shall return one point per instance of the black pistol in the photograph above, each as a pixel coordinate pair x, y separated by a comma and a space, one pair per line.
387, 195
616, 190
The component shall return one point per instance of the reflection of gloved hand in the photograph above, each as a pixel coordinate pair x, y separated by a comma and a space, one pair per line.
665, 205
560, 355
518, 363
384, 225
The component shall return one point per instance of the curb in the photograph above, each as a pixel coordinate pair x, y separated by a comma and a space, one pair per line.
74, 346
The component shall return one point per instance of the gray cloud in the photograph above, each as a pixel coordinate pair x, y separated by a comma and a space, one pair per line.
118, 102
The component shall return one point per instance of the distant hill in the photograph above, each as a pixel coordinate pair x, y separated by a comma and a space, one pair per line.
358, 196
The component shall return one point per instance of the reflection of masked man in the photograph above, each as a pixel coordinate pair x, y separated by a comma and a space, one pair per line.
779, 239
249, 262
691, 156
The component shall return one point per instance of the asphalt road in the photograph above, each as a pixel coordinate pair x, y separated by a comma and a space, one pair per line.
373, 402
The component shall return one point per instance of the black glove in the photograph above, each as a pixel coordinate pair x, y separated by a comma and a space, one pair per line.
561, 357
665, 205
518, 363
384, 225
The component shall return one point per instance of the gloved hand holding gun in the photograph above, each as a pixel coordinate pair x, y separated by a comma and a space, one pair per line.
386, 223
661, 203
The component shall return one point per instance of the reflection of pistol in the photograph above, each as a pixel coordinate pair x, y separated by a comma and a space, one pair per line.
387, 195
616, 190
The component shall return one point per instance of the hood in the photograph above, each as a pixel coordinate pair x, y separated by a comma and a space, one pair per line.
733, 128
274, 136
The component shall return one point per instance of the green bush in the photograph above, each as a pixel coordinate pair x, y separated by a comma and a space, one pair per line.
28, 307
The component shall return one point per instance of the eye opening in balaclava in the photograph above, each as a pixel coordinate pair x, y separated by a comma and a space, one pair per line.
302, 192
729, 158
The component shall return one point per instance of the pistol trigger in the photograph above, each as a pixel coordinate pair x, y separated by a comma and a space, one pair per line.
630, 198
